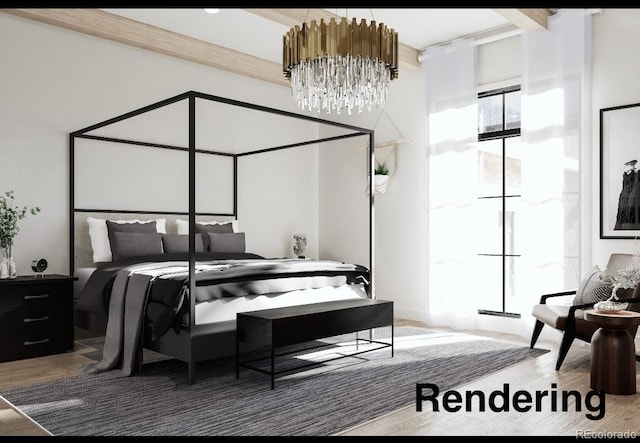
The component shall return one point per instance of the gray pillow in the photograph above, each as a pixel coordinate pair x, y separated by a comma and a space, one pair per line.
591, 289
217, 227
112, 227
180, 243
135, 244
226, 242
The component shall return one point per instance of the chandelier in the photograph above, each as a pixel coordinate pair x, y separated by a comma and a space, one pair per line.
334, 66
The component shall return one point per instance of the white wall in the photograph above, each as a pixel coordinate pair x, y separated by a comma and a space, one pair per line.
277, 197
400, 246
56, 81
616, 41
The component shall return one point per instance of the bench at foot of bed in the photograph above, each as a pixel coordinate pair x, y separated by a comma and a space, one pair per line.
275, 328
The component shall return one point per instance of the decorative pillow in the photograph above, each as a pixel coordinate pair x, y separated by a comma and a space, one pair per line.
226, 242
218, 228
135, 244
183, 225
180, 243
592, 289
140, 228
99, 236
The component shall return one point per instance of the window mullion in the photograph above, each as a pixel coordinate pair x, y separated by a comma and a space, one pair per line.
503, 134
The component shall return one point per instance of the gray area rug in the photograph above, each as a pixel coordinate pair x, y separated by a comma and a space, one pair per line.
322, 400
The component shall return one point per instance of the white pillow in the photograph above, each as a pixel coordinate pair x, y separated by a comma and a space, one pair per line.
100, 237
183, 225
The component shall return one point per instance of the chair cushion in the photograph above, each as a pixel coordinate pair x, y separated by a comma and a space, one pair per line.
556, 317
552, 315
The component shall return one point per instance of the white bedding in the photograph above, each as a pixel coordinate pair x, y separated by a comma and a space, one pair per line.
226, 308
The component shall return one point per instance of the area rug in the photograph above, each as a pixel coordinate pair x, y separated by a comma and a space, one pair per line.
322, 400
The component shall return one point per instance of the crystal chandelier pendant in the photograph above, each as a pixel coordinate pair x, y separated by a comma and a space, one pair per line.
344, 82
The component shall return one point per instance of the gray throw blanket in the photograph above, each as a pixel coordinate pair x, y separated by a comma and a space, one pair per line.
126, 313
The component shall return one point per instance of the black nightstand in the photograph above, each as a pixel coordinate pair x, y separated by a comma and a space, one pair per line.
36, 316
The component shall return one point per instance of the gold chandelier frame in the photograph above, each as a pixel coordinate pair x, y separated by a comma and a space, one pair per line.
347, 38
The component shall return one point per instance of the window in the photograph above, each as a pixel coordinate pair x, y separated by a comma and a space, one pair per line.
499, 195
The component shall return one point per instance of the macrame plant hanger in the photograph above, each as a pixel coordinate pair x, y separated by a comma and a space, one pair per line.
383, 152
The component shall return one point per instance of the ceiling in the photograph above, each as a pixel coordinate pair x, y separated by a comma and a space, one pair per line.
247, 32
249, 41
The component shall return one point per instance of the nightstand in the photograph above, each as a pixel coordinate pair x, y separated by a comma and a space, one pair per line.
36, 316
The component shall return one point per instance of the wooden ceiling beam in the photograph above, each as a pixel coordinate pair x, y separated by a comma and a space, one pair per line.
407, 55
527, 19
120, 29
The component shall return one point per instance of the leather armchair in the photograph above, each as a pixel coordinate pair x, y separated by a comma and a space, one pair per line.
569, 319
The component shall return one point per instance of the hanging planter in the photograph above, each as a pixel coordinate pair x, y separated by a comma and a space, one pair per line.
381, 178
386, 161
380, 183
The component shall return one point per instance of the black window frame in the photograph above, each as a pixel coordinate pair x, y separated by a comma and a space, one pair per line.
503, 135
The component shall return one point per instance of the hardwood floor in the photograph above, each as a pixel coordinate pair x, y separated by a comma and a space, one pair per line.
32, 371
621, 413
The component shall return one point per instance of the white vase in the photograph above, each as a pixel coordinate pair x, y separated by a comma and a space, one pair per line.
380, 183
8, 265
4, 268
11, 266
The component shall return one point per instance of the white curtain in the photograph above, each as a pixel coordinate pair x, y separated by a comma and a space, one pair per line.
555, 147
452, 130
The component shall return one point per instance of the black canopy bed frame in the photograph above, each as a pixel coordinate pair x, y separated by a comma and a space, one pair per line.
200, 342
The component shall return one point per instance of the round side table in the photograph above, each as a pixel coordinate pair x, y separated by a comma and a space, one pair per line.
613, 354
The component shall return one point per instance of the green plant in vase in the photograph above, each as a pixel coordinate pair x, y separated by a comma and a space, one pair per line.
10, 215
381, 169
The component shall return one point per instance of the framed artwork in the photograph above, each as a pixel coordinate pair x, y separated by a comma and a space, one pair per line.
620, 172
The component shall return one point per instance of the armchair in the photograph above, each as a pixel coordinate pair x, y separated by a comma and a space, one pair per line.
569, 319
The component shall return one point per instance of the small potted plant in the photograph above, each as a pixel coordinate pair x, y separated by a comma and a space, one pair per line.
381, 178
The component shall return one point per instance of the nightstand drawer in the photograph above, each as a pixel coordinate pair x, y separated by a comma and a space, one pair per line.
23, 346
37, 305
12, 323
37, 329
37, 298
23, 306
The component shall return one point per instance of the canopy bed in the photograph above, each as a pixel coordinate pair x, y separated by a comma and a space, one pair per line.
139, 267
